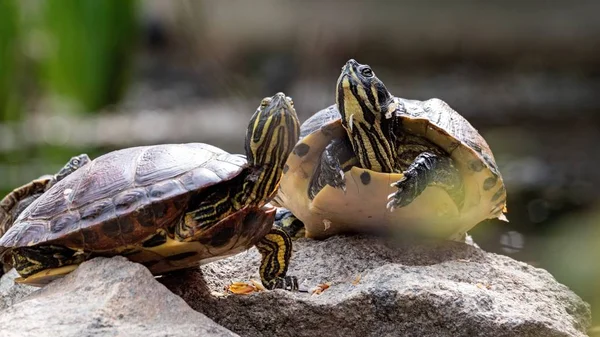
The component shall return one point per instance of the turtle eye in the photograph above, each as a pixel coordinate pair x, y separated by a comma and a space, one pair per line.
75, 162
366, 72
265, 102
289, 99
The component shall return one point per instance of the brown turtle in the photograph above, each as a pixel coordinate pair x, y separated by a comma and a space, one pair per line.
374, 162
166, 206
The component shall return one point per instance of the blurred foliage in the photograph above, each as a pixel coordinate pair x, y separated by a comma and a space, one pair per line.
89, 50
20, 167
77, 53
572, 253
8, 59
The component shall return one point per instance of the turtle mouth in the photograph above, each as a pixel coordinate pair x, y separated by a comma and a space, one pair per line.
287, 104
351, 64
349, 68
279, 101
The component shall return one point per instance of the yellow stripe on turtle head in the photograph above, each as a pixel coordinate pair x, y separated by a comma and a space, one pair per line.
272, 133
363, 100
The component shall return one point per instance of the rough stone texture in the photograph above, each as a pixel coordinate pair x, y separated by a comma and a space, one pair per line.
443, 289
11, 292
106, 297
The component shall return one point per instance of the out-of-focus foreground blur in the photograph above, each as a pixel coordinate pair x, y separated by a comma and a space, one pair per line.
94, 76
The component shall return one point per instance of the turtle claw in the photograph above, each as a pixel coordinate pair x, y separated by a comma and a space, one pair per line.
393, 202
343, 181
289, 283
398, 199
395, 199
399, 182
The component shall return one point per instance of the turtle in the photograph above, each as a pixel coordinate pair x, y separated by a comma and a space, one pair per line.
373, 162
167, 206
16, 201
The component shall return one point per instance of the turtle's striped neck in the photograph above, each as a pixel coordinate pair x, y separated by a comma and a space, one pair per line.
363, 104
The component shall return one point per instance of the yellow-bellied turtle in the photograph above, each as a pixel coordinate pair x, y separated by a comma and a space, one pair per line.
375, 162
16, 201
168, 207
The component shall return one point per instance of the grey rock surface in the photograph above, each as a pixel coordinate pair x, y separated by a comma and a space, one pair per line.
385, 289
106, 297
11, 292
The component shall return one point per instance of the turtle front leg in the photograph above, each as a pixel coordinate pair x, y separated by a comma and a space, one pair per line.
337, 158
427, 169
276, 251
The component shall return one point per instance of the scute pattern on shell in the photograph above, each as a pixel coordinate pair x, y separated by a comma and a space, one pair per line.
141, 183
437, 112
316, 121
445, 119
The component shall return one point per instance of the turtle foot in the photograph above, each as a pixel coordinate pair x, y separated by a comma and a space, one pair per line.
409, 187
289, 283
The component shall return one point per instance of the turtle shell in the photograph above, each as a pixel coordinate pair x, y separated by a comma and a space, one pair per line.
362, 206
16, 201
122, 197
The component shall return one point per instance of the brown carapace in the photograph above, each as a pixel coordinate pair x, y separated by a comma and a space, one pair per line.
167, 206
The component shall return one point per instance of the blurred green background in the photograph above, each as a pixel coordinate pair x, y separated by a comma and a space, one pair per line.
93, 76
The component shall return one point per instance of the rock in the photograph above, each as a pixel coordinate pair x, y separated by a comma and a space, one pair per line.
385, 289
11, 292
106, 297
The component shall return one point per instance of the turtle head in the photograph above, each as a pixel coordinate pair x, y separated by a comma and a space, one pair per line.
272, 133
360, 95
73, 165
363, 102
